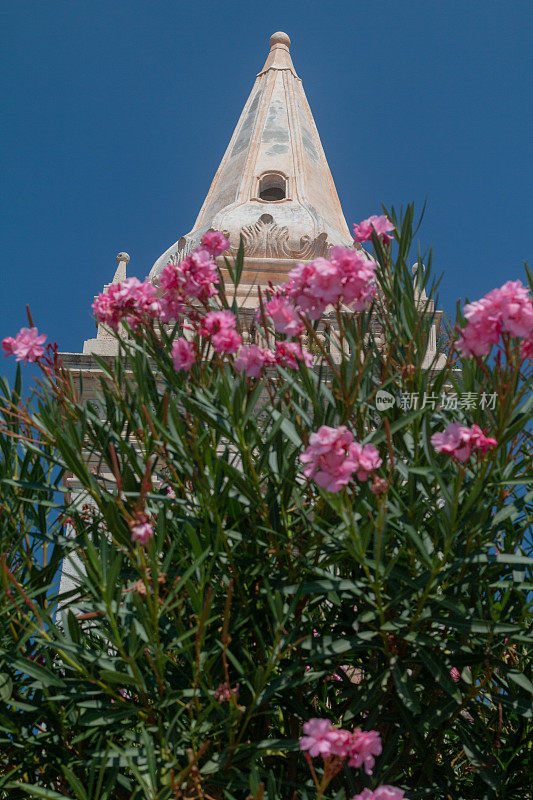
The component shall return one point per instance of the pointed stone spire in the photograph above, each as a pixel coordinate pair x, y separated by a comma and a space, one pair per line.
279, 56
105, 343
273, 186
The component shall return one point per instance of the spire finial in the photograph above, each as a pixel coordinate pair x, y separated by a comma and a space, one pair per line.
279, 56
123, 260
280, 38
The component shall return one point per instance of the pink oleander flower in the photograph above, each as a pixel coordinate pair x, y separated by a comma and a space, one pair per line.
509, 308
220, 326
224, 692
458, 441
365, 746
105, 309
183, 354
483, 328
384, 792
341, 740
317, 738
348, 277
134, 301
332, 457
198, 273
328, 458
226, 341
253, 359
367, 458
357, 276
288, 354
314, 286
8, 346
130, 301
172, 301
193, 278
142, 531
454, 440
455, 675
171, 493
25, 346
284, 316
215, 242
526, 347
380, 224
516, 307
480, 441
321, 738
215, 321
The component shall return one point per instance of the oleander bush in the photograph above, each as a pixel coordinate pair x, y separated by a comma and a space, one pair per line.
259, 539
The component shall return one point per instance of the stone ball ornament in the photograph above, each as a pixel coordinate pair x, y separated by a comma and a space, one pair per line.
280, 38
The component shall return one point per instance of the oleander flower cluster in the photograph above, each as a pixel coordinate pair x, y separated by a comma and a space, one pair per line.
185, 289
26, 346
253, 359
220, 327
184, 293
384, 792
333, 457
347, 277
508, 309
180, 285
380, 225
130, 301
322, 739
142, 529
224, 692
461, 442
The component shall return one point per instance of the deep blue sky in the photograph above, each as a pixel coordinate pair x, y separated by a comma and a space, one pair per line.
116, 114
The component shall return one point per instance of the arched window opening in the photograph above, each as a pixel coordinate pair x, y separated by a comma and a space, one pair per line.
272, 187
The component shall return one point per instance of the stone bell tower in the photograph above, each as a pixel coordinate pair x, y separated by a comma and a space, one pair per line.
273, 186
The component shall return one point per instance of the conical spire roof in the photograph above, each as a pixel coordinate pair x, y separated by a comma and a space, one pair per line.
273, 186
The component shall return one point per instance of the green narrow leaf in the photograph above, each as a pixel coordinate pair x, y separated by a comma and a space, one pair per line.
441, 674
521, 680
6, 687
519, 704
74, 783
403, 685
38, 791
239, 262
34, 670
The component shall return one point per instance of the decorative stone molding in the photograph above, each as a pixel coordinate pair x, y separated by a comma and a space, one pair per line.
266, 239
184, 248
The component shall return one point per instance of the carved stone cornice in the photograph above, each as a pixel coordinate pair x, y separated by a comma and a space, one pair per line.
267, 239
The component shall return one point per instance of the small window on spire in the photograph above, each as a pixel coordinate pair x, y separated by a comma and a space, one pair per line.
272, 187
